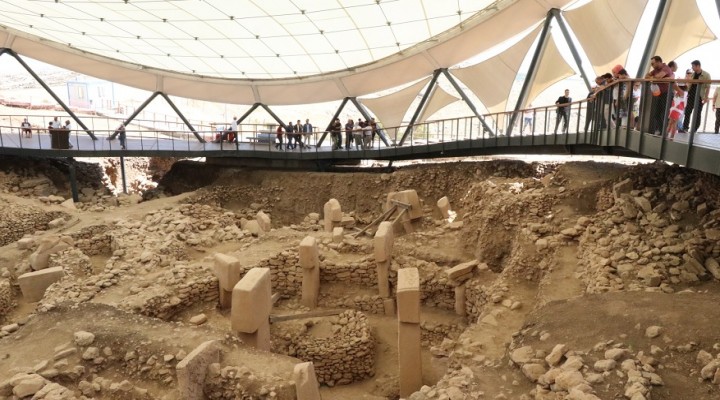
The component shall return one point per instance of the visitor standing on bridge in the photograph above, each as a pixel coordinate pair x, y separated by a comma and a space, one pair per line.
660, 70
120, 133
528, 116
279, 136
26, 128
298, 130
563, 109
307, 132
336, 134
232, 135
677, 110
349, 125
289, 136
716, 106
697, 94
56, 123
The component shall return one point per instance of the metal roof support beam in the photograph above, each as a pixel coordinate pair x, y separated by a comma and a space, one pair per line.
272, 114
182, 117
50, 91
421, 106
337, 114
532, 70
467, 101
654, 37
136, 113
363, 111
248, 112
576, 55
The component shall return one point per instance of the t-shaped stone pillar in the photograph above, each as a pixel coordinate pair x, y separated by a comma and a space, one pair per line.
251, 305
306, 384
310, 263
408, 304
227, 270
383, 245
332, 213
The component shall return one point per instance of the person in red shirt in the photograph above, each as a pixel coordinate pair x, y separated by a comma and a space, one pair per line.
659, 103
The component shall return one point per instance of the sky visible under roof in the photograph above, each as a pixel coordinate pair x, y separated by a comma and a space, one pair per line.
251, 39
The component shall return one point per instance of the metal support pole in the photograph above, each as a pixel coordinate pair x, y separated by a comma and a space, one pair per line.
182, 117
366, 115
532, 70
136, 113
122, 173
421, 106
337, 114
50, 91
73, 180
466, 99
576, 55
653, 37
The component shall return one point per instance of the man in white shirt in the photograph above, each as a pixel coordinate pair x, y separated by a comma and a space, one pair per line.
56, 123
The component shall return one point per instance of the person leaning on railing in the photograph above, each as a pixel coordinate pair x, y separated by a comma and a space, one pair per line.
120, 133
659, 101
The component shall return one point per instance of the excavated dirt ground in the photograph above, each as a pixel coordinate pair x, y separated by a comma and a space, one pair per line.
595, 280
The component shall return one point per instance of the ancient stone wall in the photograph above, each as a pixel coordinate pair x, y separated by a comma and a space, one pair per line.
345, 357
73, 261
93, 240
7, 302
182, 287
17, 220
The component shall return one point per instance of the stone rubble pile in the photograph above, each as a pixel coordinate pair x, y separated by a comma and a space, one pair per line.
645, 241
233, 382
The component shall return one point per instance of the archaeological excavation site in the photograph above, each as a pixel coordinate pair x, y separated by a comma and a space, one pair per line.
452, 280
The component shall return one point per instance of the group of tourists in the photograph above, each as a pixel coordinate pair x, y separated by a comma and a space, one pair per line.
684, 113
26, 127
294, 134
361, 133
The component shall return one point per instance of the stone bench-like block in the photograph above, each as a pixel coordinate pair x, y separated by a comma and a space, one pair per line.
33, 284
408, 295
306, 383
251, 301
383, 241
461, 271
444, 206
227, 270
192, 369
309, 253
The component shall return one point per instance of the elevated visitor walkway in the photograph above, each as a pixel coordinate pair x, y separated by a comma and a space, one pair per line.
598, 127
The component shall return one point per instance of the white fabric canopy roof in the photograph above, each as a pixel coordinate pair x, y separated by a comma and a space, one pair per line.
552, 68
492, 79
72, 35
439, 99
389, 110
684, 29
606, 29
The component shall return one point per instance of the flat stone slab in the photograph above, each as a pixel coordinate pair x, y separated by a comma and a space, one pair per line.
383, 241
306, 384
34, 284
309, 254
251, 301
408, 295
192, 369
461, 270
227, 270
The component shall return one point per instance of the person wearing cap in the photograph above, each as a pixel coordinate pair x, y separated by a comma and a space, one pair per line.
697, 94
